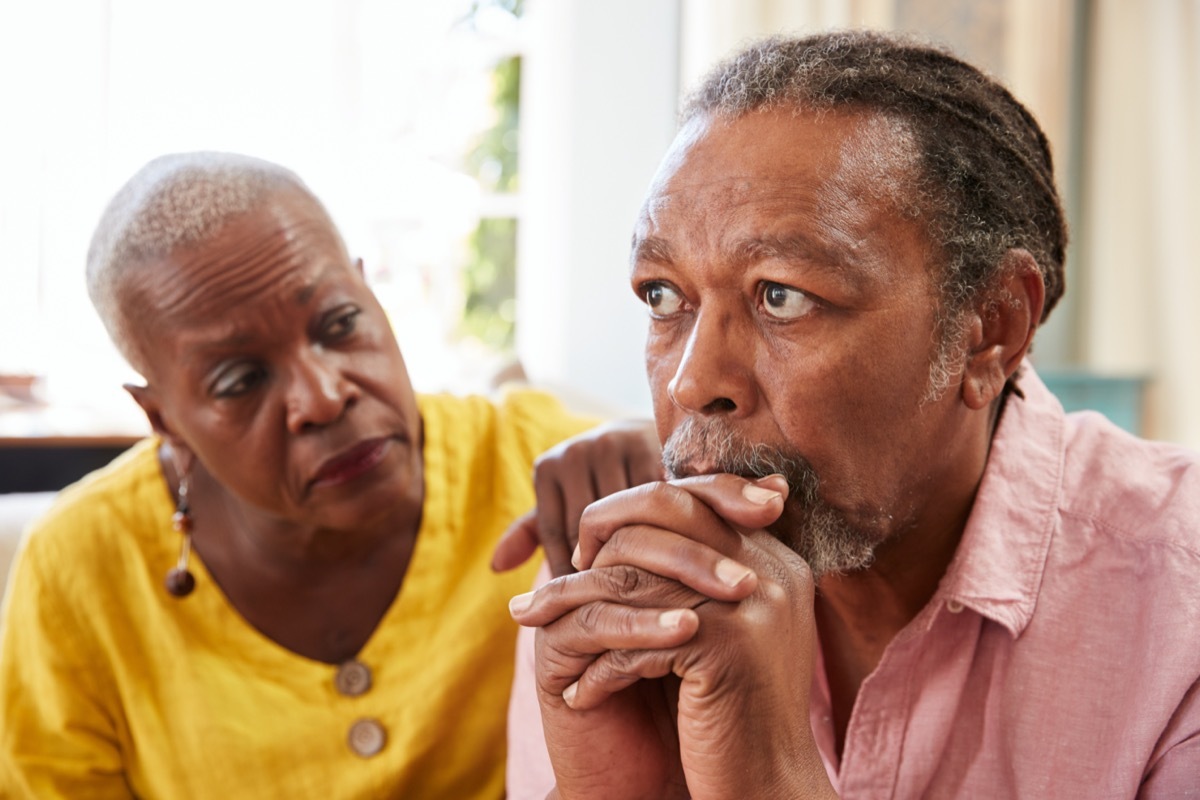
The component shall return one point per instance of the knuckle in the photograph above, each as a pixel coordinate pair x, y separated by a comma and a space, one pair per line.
591, 522
608, 445
774, 592
544, 467
660, 492
626, 581
677, 500
556, 590
618, 662
590, 617
623, 543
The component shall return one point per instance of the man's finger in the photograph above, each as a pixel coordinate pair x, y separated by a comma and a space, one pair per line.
568, 646
672, 555
626, 585
616, 670
689, 506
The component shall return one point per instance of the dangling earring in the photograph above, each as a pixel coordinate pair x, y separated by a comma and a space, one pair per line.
180, 581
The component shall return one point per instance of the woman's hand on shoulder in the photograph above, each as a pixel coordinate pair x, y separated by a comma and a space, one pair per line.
569, 477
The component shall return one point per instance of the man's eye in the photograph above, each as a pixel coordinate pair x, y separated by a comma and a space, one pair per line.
342, 325
662, 300
784, 302
237, 381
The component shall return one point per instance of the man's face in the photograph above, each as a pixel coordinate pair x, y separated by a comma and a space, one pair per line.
793, 317
275, 365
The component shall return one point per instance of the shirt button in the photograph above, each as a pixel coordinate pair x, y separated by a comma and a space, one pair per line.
352, 678
953, 606
367, 737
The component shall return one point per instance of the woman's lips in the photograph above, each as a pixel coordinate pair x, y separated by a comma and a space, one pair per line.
351, 464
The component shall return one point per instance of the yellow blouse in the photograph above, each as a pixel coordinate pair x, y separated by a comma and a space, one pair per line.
113, 688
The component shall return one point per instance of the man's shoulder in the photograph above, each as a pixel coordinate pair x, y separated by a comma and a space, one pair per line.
1137, 489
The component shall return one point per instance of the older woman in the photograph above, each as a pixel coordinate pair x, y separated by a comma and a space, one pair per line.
286, 591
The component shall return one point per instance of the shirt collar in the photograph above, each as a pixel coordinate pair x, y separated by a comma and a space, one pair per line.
997, 569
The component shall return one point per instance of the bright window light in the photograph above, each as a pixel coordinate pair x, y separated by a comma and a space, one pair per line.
376, 104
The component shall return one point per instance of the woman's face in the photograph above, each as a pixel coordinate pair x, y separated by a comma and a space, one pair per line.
271, 361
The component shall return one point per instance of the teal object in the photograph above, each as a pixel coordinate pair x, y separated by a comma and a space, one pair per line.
1118, 397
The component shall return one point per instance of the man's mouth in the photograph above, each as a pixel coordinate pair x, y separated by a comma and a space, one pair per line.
692, 468
352, 463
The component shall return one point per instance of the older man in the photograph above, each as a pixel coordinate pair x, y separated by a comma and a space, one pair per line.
889, 565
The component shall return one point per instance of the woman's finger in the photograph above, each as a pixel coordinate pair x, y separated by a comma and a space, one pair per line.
551, 521
517, 544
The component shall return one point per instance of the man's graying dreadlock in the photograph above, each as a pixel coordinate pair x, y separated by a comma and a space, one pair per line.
987, 178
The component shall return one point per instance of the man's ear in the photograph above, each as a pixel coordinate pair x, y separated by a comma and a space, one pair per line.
1006, 317
147, 398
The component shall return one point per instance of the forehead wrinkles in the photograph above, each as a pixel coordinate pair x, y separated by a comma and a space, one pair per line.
854, 173
696, 210
821, 219
205, 283
874, 177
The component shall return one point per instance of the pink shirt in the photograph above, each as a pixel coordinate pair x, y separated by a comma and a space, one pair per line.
1060, 655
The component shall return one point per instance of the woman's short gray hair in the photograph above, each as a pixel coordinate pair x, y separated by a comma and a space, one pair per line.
173, 202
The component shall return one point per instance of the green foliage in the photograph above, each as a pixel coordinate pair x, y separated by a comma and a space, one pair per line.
490, 271
514, 7
491, 276
493, 161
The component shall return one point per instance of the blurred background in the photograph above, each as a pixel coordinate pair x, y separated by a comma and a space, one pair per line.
486, 159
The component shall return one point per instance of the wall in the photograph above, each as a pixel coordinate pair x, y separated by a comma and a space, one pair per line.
599, 97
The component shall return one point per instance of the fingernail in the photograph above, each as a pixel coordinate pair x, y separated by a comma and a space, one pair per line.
569, 693
520, 603
670, 619
575, 557
759, 495
730, 572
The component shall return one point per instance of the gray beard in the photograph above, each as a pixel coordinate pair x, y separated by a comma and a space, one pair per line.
815, 530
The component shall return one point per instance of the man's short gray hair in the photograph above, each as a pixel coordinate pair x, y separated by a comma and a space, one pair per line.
174, 202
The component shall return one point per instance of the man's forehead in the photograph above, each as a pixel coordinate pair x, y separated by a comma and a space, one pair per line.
741, 150
790, 160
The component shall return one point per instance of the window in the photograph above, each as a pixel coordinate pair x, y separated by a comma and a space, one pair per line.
400, 114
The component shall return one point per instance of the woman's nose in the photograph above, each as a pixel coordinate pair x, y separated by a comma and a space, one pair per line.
319, 393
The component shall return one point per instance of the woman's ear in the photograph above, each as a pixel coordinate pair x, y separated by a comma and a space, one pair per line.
1006, 317
148, 399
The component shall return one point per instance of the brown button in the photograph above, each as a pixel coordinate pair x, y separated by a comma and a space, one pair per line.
367, 737
352, 678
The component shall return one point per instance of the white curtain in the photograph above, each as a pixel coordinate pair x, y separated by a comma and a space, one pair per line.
1140, 231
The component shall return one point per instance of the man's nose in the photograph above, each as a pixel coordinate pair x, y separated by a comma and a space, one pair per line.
716, 373
319, 393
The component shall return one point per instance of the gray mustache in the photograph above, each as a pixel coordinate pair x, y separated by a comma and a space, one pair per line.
710, 444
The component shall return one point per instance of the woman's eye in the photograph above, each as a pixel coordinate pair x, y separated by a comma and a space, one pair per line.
661, 299
342, 325
237, 381
784, 302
